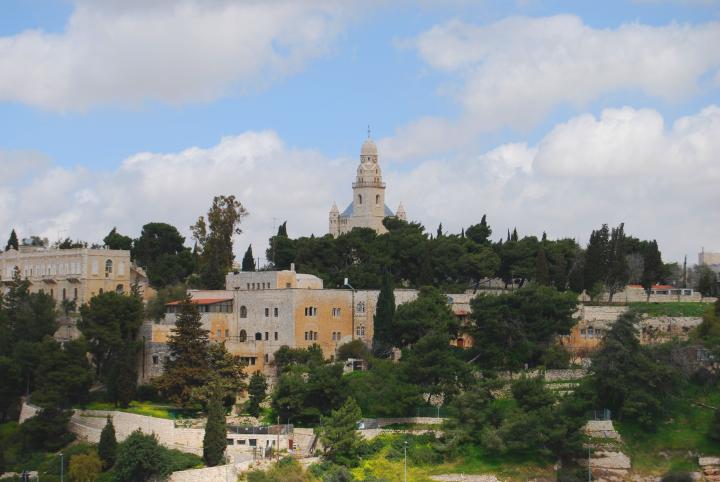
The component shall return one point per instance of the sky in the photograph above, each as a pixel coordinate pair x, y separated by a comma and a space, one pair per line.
548, 116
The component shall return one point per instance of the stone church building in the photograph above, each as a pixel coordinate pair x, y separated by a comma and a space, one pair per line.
368, 208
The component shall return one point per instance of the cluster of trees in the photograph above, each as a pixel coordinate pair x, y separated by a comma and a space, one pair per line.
454, 262
31, 361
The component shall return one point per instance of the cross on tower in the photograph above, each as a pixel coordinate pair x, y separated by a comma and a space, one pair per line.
368, 131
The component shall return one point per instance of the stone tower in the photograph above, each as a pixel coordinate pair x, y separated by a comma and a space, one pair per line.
367, 209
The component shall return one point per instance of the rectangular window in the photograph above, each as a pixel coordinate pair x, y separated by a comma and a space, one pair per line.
241, 442
267, 336
253, 442
227, 333
582, 333
276, 336
230, 441
267, 358
219, 333
275, 312
267, 312
94, 266
156, 359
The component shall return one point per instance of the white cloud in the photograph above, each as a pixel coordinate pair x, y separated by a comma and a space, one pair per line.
515, 71
577, 177
270, 179
114, 52
625, 166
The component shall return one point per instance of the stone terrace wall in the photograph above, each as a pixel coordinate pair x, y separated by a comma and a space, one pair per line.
221, 473
88, 424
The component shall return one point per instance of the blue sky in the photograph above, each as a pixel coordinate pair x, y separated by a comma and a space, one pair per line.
326, 72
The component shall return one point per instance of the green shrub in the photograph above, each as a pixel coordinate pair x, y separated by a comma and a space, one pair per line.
84, 467
147, 393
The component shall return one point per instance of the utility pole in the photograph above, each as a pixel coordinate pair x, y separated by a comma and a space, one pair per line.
277, 448
62, 467
589, 469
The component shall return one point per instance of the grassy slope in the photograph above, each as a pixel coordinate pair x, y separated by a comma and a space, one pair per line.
139, 408
670, 447
677, 308
472, 462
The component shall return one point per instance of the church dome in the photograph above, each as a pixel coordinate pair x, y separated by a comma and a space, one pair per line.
368, 148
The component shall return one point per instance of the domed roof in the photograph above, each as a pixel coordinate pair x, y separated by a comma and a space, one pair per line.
368, 148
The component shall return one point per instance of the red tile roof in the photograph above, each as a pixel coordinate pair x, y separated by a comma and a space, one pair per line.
201, 301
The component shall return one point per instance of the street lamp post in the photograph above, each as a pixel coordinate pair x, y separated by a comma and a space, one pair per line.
406, 461
352, 307
62, 468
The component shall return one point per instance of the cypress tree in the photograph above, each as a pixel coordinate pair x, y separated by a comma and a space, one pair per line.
514, 236
383, 331
12, 241
107, 448
214, 441
652, 267
282, 230
248, 262
542, 273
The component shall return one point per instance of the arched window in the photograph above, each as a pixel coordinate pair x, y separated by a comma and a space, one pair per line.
377, 199
243, 312
359, 198
258, 336
108, 268
119, 289
243, 335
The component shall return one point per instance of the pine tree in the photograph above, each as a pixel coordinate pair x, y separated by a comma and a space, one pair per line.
188, 367
257, 390
12, 241
338, 434
214, 441
439, 231
542, 273
514, 236
248, 262
107, 448
282, 230
384, 314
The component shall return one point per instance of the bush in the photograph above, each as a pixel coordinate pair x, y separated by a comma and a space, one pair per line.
147, 393
678, 477
715, 427
85, 467
46, 431
140, 458
286, 470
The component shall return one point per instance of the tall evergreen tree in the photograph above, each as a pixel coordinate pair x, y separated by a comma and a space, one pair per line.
107, 448
12, 241
439, 231
257, 390
282, 230
618, 272
542, 273
385, 312
338, 434
480, 233
597, 257
248, 262
188, 366
652, 267
514, 236
214, 441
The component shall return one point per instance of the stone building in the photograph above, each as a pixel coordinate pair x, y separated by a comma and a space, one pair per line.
712, 260
72, 274
368, 208
261, 311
